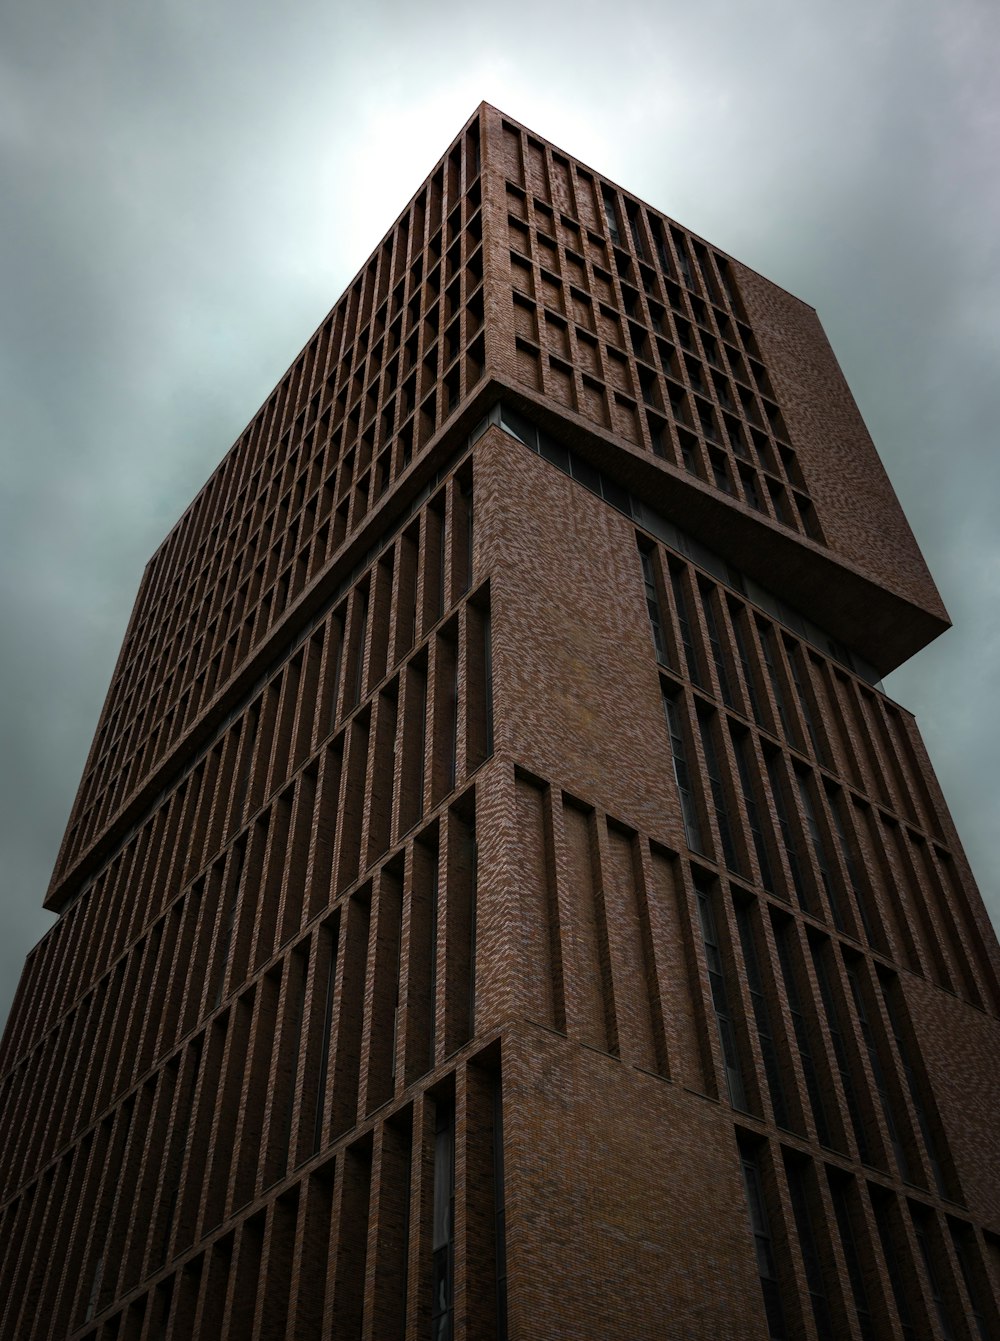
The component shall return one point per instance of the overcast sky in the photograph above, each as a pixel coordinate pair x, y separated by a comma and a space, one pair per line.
188, 186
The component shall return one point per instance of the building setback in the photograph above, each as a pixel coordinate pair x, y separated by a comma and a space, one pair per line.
500, 901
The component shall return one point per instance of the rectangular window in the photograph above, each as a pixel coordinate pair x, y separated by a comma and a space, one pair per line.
746, 766
763, 1246
783, 936
773, 765
839, 1195
819, 848
718, 789
653, 606
443, 1232
890, 990
684, 627
797, 1173
715, 643
682, 774
878, 1071
610, 214
819, 958
761, 1013
720, 1002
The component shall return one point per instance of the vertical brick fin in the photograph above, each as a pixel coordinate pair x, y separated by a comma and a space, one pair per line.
590, 1005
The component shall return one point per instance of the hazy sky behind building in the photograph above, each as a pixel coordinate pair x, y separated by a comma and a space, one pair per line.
189, 187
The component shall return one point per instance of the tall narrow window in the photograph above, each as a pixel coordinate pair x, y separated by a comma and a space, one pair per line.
499, 1203
720, 1002
682, 774
330, 939
761, 1014
653, 606
801, 1028
611, 216
819, 848
878, 1072
229, 925
963, 1241
889, 990
443, 1236
684, 626
360, 636
787, 833
852, 1257
922, 1228
784, 717
807, 717
763, 1246
739, 633
745, 763
715, 643
819, 958
851, 865
718, 789
798, 1194
337, 636
883, 1221
488, 677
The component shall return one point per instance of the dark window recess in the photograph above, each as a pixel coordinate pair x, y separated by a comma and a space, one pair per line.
798, 1194
889, 990
718, 790
715, 643
739, 633
443, 1229
819, 958
878, 1073
807, 717
801, 1029
850, 864
819, 848
784, 717
852, 1258
746, 766
682, 774
761, 1014
883, 1221
787, 833
922, 1229
684, 627
499, 1201
963, 1241
611, 217
720, 1002
763, 1247
653, 606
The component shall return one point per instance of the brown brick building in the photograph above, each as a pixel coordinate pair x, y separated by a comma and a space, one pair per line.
500, 901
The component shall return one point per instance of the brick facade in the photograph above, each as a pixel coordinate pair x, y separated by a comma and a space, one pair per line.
500, 901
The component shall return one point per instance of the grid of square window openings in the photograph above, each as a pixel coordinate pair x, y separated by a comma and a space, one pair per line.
632, 323
396, 355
